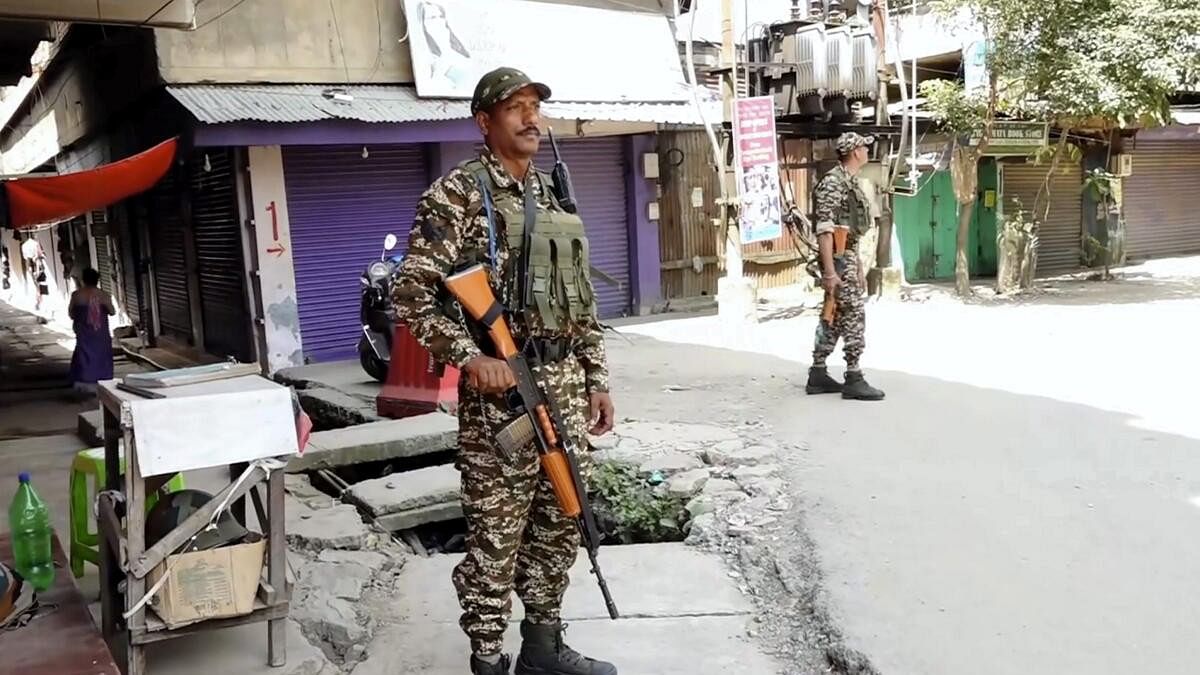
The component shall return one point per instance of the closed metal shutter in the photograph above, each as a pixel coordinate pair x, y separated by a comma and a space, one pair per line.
1059, 247
1162, 199
598, 171
341, 206
217, 232
129, 252
102, 241
168, 239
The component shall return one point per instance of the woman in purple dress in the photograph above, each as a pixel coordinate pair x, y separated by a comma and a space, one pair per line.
89, 309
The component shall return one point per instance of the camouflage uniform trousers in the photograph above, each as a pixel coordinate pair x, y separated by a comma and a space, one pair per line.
849, 319
517, 536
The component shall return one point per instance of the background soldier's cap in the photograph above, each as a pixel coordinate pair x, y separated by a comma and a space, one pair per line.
847, 142
501, 83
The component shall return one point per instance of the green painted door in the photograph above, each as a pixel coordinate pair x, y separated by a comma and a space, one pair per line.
927, 223
982, 242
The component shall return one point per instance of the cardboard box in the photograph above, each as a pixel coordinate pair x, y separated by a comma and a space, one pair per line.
203, 585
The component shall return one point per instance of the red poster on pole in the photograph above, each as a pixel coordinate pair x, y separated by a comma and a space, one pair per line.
758, 169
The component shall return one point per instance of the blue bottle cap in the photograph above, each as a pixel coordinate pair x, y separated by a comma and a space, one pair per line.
23, 477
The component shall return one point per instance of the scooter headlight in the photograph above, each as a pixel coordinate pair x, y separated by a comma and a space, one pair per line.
378, 270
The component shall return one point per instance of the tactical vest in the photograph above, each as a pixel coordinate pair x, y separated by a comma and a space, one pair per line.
552, 286
858, 212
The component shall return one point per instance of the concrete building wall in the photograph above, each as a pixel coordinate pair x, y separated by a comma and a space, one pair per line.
293, 41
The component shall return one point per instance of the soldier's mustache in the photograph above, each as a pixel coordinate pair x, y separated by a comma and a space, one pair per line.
531, 130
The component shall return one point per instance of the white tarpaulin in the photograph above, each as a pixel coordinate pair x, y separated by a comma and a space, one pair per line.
581, 53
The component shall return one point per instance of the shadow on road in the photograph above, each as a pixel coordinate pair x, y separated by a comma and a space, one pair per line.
960, 528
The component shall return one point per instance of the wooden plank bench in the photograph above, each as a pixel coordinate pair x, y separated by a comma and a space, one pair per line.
59, 641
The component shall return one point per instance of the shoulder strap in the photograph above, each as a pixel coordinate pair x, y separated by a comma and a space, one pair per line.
547, 184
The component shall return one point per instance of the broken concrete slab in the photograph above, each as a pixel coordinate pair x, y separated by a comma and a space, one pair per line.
718, 486
749, 473
375, 441
372, 561
408, 490
338, 527
344, 580
670, 463
646, 580
699, 645
328, 619
688, 483
436, 513
333, 409
302, 490
752, 456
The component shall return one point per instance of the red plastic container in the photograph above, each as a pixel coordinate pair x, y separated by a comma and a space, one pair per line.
416, 384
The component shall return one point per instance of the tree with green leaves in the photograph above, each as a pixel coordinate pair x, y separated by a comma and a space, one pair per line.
1082, 66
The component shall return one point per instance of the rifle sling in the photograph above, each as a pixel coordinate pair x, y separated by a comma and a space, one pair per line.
526, 245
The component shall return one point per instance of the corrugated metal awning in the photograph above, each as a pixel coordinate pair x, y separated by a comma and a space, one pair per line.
218, 104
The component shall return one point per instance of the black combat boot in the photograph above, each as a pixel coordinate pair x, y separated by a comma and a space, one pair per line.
858, 389
479, 667
820, 381
543, 652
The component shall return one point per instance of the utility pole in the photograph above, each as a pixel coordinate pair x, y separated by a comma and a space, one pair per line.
882, 277
735, 293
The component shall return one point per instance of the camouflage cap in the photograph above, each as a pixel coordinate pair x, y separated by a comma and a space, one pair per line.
501, 83
847, 142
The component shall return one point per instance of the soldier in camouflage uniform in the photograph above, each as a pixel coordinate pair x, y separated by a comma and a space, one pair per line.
517, 536
841, 204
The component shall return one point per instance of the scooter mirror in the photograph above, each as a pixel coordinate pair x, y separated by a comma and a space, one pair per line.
389, 242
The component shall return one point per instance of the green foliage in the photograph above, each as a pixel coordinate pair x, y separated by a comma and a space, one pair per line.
957, 111
630, 510
1085, 63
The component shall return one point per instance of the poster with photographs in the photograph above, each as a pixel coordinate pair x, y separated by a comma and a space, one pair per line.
758, 169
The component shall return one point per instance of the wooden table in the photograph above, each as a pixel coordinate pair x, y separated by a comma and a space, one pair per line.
63, 640
124, 557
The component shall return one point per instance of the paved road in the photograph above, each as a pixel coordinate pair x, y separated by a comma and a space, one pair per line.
1027, 498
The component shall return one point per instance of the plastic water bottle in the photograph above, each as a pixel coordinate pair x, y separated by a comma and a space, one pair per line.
29, 523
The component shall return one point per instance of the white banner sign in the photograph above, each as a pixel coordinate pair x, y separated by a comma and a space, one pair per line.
581, 53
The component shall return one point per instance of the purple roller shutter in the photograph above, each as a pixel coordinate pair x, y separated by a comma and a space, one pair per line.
340, 207
598, 173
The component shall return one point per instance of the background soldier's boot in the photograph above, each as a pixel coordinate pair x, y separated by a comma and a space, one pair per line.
857, 388
543, 652
821, 382
479, 667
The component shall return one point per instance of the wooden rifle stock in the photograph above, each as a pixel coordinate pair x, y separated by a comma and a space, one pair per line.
839, 247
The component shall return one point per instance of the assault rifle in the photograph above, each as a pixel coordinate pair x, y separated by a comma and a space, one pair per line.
839, 248
541, 419
564, 191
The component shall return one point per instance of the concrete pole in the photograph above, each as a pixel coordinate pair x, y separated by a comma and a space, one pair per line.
733, 242
735, 293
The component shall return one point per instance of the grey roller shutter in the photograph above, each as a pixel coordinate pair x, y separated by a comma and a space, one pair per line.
1162, 199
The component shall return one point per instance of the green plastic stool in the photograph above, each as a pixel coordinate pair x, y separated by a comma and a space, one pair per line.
85, 544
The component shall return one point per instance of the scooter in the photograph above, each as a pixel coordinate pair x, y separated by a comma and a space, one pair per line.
376, 313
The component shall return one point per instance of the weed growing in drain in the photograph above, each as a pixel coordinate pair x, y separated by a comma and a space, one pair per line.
631, 510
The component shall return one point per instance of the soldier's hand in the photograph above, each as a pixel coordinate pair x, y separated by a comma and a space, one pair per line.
831, 282
603, 413
489, 375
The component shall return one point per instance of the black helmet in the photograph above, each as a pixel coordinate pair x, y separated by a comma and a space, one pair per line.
171, 510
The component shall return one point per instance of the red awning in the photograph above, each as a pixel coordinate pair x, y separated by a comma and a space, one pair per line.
52, 199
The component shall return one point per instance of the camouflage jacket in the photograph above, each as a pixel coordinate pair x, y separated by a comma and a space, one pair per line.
450, 224
835, 198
